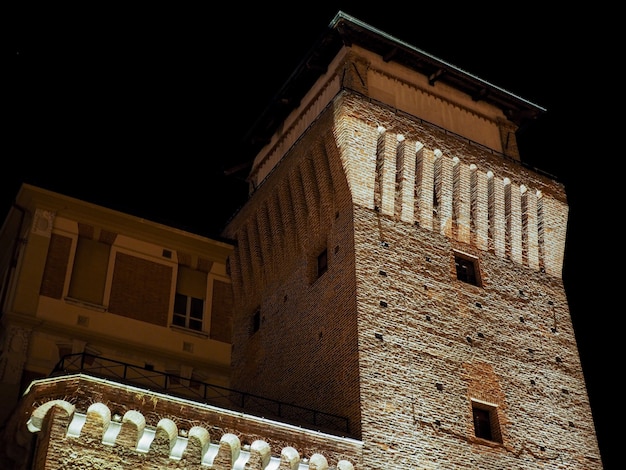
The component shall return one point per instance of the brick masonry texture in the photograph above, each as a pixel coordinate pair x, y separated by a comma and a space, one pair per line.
425, 344
88, 446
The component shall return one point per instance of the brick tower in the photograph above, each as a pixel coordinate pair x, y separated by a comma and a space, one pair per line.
398, 264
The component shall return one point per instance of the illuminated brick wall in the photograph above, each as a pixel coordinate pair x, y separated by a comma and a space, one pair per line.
389, 336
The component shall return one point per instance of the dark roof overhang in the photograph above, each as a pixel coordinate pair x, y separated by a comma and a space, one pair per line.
345, 30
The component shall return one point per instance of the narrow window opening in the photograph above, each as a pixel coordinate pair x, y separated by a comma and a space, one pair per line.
482, 425
467, 270
486, 423
189, 301
256, 321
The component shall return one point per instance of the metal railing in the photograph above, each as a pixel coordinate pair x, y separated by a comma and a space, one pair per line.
203, 392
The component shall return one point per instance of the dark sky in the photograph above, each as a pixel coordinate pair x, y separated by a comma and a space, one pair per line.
140, 110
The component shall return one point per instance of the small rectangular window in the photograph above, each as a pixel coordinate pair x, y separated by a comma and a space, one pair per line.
188, 312
317, 263
486, 423
189, 302
467, 269
482, 425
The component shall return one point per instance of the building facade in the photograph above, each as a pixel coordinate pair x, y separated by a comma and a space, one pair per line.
393, 295
85, 287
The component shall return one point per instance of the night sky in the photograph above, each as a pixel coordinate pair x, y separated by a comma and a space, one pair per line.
142, 109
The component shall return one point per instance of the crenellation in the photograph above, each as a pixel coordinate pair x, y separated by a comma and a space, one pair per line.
530, 229
408, 182
387, 173
497, 220
554, 221
375, 179
131, 430
163, 442
132, 438
486, 212
438, 188
399, 177
462, 200
285, 207
479, 229
426, 188
511, 214
445, 169
360, 142
277, 223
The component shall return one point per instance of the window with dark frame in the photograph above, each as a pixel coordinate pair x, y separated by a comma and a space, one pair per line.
256, 322
189, 300
188, 312
486, 424
467, 270
482, 425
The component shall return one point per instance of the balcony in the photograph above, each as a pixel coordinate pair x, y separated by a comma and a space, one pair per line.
202, 392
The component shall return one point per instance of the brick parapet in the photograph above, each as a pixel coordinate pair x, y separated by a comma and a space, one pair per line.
107, 424
368, 131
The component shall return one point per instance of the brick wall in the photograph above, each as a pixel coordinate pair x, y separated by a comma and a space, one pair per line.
393, 199
304, 208
111, 426
443, 343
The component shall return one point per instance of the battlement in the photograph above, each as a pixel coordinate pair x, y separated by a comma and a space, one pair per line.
465, 193
409, 171
115, 423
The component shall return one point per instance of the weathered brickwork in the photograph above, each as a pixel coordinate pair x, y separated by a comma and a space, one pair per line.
445, 343
481, 197
393, 199
109, 426
309, 319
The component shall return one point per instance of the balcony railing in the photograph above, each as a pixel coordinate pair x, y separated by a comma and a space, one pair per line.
202, 392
